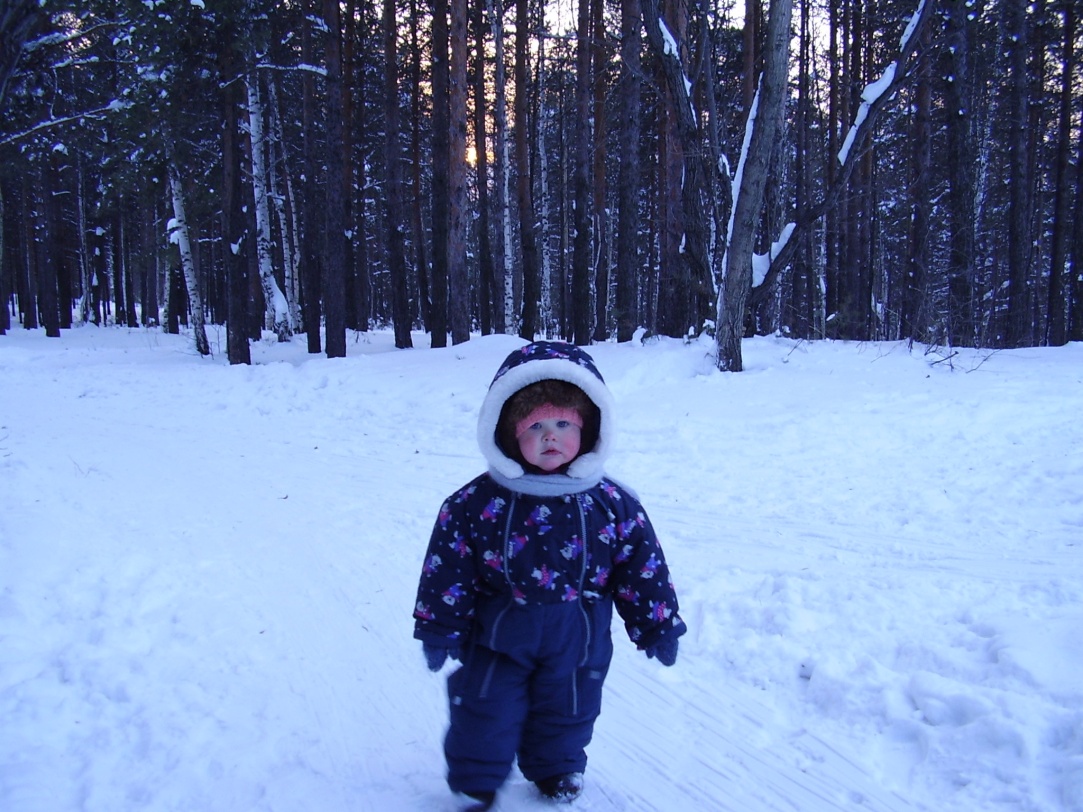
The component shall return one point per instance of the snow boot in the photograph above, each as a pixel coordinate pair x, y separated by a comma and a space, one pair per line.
481, 799
562, 788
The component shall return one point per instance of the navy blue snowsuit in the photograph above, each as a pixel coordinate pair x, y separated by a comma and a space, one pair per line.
522, 571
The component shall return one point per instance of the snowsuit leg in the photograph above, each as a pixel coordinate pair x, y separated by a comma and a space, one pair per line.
563, 708
488, 700
538, 701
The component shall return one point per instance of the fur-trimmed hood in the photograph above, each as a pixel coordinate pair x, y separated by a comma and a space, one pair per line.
546, 360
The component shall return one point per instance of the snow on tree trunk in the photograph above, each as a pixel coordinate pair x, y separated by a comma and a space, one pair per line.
749, 186
178, 233
287, 216
278, 311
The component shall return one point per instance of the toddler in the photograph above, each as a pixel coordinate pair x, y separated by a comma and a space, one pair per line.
521, 575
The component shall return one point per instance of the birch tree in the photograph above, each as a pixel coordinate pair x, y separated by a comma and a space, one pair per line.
179, 234
278, 311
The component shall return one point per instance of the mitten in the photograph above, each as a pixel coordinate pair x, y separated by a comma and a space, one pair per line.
665, 650
436, 656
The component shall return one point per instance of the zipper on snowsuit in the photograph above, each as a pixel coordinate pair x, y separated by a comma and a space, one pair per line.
511, 600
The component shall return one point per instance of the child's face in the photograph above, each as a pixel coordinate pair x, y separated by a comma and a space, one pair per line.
550, 443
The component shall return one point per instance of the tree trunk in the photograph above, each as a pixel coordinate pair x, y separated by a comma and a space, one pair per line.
599, 76
1018, 332
803, 301
1075, 328
914, 316
234, 221
528, 327
420, 237
487, 281
31, 222
458, 283
628, 258
352, 269
311, 228
396, 208
278, 312
5, 313
763, 122
334, 276
286, 212
188, 268
581, 242
504, 294
961, 193
1057, 312
441, 167
542, 116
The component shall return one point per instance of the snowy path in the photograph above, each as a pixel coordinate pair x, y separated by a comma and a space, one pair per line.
207, 574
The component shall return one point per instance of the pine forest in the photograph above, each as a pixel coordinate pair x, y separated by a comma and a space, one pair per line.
590, 170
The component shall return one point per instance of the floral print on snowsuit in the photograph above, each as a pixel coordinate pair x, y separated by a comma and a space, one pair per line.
492, 548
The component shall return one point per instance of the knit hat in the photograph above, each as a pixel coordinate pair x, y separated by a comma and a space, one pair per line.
548, 361
547, 411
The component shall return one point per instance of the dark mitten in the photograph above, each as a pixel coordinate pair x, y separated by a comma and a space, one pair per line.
665, 650
436, 656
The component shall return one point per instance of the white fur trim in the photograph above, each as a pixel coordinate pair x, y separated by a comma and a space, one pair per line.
588, 466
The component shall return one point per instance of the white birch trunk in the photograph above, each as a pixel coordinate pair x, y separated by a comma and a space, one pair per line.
291, 251
178, 233
278, 313
85, 261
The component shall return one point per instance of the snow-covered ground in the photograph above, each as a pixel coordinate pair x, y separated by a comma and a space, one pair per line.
207, 574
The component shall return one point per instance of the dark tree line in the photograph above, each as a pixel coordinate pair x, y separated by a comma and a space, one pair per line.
876, 169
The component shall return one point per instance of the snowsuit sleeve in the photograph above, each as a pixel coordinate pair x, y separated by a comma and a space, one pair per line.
643, 591
444, 609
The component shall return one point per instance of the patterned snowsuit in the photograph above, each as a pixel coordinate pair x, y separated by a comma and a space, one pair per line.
522, 571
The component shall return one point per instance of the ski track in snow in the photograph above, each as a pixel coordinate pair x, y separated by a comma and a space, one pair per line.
207, 574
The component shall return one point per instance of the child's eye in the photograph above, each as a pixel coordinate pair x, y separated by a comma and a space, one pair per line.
563, 424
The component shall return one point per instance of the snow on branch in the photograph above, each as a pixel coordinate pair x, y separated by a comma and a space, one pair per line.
875, 90
302, 67
869, 96
761, 263
96, 114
